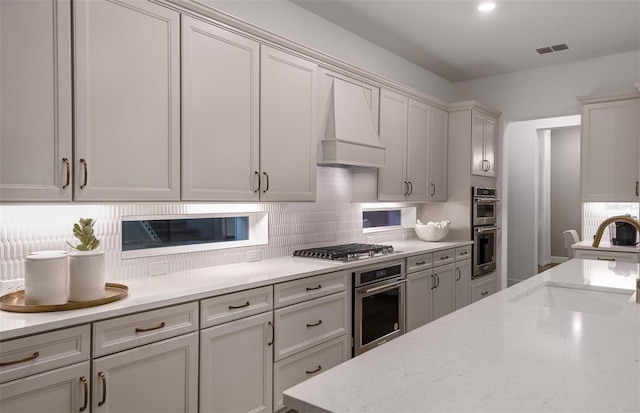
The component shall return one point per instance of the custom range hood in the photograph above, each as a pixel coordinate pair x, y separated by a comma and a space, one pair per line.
351, 137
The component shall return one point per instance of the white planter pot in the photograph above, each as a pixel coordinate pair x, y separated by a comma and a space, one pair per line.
86, 276
45, 279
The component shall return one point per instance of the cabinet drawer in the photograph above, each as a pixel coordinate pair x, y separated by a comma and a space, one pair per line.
444, 257
46, 351
463, 253
224, 308
302, 366
419, 262
607, 256
301, 326
483, 288
294, 292
135, 330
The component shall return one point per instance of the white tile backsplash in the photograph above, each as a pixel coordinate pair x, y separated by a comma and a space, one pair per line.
332, 219
593, 213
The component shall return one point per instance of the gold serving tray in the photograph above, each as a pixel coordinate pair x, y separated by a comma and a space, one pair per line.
14, 302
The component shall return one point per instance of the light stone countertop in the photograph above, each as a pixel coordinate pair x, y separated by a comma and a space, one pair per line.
502, 354
160, 291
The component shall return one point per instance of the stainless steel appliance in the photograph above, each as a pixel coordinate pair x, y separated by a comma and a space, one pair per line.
484, 231
484, 203
378, 305
345, 252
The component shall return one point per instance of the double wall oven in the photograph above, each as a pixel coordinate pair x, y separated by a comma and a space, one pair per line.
378, 293
484, 230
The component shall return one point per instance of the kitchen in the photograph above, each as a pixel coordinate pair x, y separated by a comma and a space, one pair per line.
291, 224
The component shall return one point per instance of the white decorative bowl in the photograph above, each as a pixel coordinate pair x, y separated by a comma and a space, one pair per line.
432, 231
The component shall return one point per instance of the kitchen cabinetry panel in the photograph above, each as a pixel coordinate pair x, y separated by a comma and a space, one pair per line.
35, 103
288, 126
393, 136
302, 366
294, 292
483, 287
61, 390
443, 290
301, 326
220, 113
607, 255
462, 284
158, 377
127, 101
229, 307
418, 154
438, 155
610, 151
419, 298
44, 352
484, 133
236, 362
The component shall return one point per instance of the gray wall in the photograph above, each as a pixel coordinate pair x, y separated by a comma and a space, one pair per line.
566, 207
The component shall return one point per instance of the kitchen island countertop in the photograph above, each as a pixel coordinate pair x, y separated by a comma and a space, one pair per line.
510, 352
148, 293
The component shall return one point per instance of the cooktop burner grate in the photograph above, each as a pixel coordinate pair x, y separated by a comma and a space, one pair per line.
345, 252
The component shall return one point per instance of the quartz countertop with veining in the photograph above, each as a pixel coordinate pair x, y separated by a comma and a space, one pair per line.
514, 351
148, 293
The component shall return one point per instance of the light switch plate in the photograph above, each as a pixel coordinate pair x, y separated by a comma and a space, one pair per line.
254, 255
158, 268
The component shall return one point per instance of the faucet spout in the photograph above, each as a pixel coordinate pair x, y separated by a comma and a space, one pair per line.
608, 221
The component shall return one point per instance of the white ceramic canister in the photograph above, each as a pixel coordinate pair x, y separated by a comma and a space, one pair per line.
45, 279
86, 275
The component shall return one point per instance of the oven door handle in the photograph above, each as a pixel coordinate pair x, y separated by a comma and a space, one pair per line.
383, 287
485, 200
487, 229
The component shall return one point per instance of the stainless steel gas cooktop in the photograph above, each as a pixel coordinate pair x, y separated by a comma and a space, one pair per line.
345, 252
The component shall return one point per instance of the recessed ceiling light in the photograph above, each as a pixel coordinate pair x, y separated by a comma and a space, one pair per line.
487, 6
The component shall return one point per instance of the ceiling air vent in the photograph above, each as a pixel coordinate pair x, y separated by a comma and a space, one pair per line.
555, 48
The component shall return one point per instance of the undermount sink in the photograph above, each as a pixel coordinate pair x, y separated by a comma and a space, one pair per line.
575, 298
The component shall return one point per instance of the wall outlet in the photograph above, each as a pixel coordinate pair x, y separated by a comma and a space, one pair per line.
255, 255
11, 286
159, 268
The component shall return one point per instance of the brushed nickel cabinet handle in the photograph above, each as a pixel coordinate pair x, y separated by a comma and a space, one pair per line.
421, 263
104, 388
235, 307
459, 274
273, 334
444, 257
314, 371
68, 166
406, 188
266, 188
85, 168
433, 189
437, 280
85, 386
314, 288
315, 324
410, 188
259, 182
488, 166
464, 253
433, 281
10, 363
158, 327
605, 259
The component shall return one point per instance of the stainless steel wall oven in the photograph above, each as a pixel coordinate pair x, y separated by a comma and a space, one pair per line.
378, 305
484, 231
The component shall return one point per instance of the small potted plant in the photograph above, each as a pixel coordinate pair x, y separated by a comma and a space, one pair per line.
86, 265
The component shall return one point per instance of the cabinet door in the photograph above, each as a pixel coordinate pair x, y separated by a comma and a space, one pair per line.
236, 363
419, 301
220, 108
490, 137
158, 377
438, 155
418, 165
127, 95
483, 287
610, 148
60, 390
288, 126
477, 144
392, 178
463, 284
443, 292
35, 103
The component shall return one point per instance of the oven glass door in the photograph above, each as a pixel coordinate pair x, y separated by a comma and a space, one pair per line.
379, 315
484, 250
484, 211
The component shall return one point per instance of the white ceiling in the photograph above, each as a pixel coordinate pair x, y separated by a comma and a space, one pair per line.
454, 40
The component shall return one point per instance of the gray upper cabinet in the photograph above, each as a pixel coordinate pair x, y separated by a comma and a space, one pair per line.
35, 103
127, 101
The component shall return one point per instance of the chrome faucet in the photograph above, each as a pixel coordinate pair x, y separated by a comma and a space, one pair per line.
608, 221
